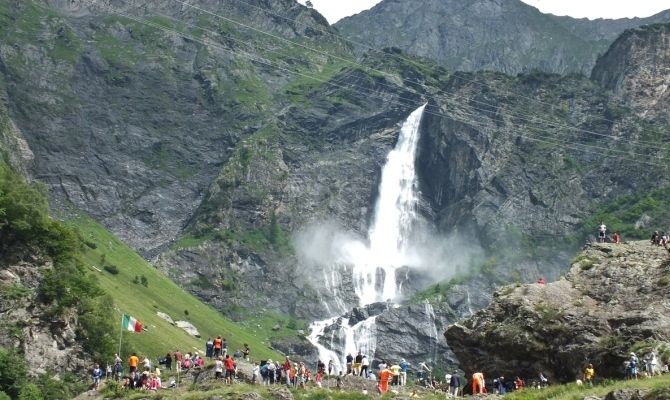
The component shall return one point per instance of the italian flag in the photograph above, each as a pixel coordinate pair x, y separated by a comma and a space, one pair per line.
131, 324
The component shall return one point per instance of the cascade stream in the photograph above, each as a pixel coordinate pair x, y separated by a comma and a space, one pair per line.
375, 264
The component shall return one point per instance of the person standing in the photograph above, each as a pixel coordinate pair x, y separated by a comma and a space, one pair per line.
133, 361
97, 374
217, 347
209, 348
384, 377
404, 366
118, 367
331, 367
178, 360
477, 383
230, 369
589, 374
454, 384
246, 352
350, 361
365, 365
218, 368
168, 362
602, 232
358, 361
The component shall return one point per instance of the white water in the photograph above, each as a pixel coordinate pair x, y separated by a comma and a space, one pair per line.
395, 212
430, 315
375, 264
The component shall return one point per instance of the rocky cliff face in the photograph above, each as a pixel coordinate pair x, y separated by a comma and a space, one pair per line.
173, 109
611, 301
499, 35
637, 68
48, 344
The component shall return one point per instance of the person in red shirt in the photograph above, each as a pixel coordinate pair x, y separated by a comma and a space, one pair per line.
178, 359
541, 281
230, 369
616, 238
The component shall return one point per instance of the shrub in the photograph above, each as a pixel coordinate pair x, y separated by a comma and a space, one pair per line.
30, 392
144, 280
112, 269
4, 396
13, 371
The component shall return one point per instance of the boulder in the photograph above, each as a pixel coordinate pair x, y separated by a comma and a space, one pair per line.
165, 317
613, 297
188, 327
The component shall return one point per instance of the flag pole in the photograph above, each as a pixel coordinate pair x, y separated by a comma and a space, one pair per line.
120, 336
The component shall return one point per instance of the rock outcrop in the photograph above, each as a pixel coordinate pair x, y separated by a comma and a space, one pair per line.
48, 344
613, 299
637, 68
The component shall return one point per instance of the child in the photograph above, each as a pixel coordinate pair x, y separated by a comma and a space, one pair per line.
317, 379
97, 373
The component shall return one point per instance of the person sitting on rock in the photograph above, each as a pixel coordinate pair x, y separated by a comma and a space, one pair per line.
654, 238
616, 238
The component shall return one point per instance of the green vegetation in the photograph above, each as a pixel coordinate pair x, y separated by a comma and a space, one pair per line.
25, 226
621, 215
159, 294
575, 392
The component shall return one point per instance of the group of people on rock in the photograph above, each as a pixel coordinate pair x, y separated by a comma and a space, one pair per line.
293, 374
602, 235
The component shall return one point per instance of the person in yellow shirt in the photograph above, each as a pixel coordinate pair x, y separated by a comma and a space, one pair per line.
589, 373
133, 361
395, 369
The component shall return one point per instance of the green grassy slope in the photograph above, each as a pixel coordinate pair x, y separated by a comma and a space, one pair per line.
160, 294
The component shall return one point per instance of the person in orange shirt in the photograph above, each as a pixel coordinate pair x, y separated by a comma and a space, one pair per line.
384, 378
133, 361
477, 383
217, 346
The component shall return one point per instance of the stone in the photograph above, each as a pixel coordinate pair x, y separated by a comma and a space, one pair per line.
188, 327
276, 327
165, 317
280, 393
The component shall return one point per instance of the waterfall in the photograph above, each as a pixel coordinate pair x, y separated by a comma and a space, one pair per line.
375, 264
430, 315
395, 213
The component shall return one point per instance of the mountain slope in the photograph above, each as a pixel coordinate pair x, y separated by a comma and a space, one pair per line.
500, 35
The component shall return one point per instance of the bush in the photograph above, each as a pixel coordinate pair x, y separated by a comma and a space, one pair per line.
24, 218
30, 392
112, 269
13, 371
4, 396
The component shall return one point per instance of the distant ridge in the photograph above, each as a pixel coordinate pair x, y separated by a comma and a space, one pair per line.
500, 35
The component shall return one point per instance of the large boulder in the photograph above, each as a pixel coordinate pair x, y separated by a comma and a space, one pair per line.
613, 298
